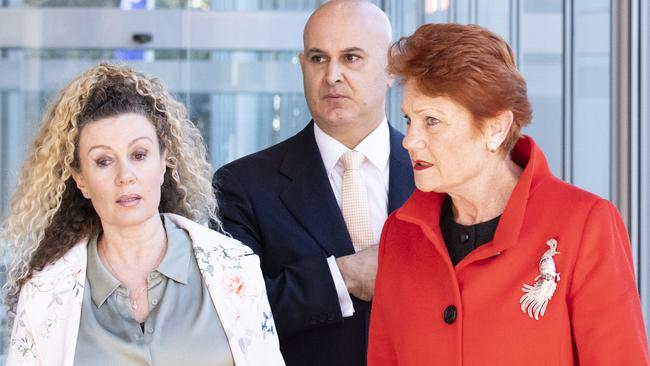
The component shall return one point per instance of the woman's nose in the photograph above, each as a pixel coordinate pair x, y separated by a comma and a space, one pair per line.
413, 139
125, 175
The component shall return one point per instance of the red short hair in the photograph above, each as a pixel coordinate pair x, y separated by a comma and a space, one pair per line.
469, 64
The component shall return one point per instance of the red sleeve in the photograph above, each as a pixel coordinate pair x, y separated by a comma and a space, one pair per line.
381, 349
604, 306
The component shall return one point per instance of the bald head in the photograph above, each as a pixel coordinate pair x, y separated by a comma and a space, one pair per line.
344, 68
364, 16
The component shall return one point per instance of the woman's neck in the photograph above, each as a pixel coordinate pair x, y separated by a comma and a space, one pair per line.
486, 197
133, 251
130, 254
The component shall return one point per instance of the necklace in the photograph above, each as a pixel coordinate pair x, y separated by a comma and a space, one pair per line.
134, 298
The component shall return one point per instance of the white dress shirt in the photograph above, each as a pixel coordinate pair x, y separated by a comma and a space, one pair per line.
374, 171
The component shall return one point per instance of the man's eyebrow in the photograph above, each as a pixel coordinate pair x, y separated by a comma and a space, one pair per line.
315, 50
346, 50
354, 49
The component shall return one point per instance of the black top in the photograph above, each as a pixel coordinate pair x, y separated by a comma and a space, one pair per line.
461, 239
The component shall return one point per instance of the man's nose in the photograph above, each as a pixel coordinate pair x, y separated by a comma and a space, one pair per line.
334, 74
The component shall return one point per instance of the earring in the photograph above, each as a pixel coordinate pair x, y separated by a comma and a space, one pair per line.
492, 148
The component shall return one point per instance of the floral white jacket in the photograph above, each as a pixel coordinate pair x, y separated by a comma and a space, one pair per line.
49, 308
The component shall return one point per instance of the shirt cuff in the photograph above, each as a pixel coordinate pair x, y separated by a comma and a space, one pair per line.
347, 308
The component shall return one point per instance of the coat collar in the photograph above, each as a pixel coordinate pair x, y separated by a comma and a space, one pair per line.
423, 208
232, 274
309, 197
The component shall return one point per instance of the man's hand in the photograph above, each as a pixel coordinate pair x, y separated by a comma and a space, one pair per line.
358, 271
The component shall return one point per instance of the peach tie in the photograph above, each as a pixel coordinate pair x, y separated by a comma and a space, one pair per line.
354, 203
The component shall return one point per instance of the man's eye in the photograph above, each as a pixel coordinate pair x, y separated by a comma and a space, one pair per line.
317, 59
407, 120
351, 58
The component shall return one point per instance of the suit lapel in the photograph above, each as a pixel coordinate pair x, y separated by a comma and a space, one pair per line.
400, 181
309, 197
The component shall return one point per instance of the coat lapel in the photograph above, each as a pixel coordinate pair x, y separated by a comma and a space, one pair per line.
309, 197
50, 337
232, 274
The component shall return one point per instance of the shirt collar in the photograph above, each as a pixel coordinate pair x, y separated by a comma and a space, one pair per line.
175, 265
102, 283
375, 147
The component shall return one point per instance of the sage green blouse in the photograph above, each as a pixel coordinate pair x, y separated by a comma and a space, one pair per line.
182, 328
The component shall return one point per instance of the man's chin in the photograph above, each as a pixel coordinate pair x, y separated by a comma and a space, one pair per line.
337, 118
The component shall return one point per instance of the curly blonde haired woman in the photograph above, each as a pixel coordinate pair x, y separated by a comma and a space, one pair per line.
109, 265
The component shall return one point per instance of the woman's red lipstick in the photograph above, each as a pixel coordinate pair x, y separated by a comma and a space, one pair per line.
421, 165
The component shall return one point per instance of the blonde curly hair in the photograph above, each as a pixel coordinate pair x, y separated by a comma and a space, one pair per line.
48, 213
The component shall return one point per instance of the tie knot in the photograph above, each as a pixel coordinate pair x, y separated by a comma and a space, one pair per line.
352, 160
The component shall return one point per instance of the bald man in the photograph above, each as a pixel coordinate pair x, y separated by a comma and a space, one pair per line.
285, 202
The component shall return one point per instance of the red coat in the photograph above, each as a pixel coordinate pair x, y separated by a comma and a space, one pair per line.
594, 317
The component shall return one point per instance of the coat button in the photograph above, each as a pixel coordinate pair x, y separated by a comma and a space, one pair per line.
450, 314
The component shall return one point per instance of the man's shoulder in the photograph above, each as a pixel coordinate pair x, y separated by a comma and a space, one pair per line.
262, 160
274, 152
269, 160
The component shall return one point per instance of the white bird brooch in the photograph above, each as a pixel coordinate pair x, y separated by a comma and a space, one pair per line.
536, 297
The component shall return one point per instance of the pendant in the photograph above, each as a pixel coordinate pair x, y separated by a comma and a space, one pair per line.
134, 304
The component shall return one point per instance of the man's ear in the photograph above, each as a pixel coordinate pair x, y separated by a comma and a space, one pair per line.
496, 130
81, 183
301, 58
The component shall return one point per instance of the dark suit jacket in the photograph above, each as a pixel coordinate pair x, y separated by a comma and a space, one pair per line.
280, 203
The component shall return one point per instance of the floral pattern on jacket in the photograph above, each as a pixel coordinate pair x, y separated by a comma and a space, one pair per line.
49, 307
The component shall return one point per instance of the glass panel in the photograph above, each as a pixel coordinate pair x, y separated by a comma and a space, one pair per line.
234, 122
591, 84
495, 15
644, 158
541, 42
437, 11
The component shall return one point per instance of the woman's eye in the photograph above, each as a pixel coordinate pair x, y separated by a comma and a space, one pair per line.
103, 162
432, 121
140, 155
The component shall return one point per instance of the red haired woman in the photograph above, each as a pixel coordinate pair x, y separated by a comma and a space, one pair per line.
493, 260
